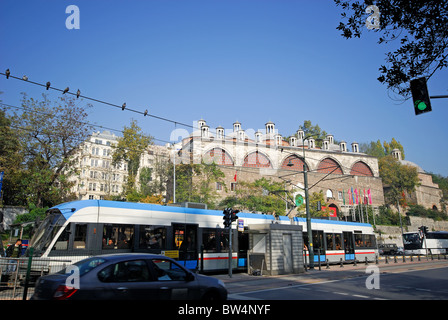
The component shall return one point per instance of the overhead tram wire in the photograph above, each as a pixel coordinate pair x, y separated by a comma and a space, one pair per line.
77, 94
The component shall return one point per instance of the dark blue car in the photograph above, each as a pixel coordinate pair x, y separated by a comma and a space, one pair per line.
128, 276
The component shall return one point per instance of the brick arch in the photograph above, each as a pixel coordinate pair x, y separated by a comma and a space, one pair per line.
218, 156
257, 160
328, 165
360, 168
297, 163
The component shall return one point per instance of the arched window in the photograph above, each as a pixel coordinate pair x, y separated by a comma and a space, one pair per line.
361, 169
329, 166
218, 156
293, 162
256, 160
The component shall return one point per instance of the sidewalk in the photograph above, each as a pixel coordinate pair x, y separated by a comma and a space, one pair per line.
242, 282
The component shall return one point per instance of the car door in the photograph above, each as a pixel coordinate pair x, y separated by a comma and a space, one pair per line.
128, 280
173, 282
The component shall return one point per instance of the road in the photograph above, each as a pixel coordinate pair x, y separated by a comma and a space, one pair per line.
423, 281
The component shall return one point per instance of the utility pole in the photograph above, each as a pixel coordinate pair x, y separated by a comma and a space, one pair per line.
308, 217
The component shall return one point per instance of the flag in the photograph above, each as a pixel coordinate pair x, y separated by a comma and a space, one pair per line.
1, 180
349, 197
370, 196
234, 178
356, 193
364, 200
343, 196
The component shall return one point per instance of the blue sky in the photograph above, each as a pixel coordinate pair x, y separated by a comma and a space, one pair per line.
222, 60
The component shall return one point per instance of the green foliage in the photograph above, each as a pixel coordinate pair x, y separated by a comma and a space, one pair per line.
129, 149
397, 178
197, 183
261, 195
379, 150
386, 217
418, 29
420, 211
46, 136
313, 131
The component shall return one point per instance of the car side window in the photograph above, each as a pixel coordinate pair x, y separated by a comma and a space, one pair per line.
167, 270
126, 271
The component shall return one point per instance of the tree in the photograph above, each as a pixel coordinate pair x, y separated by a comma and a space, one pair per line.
196, 183
261, 195
418, 26
397, 178
379, 150
313, 131
11, 158
49, 133
129, 149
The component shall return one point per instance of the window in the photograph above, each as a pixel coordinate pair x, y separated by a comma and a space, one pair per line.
338, 241
79, 241
152, 237
116, 236
233, 186
330, 242
167, 270
127, 271
218, 186
215, 240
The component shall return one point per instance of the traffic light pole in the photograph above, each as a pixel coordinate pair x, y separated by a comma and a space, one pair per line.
230, 250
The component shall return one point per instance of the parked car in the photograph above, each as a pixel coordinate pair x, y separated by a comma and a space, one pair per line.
128, 276
387, 249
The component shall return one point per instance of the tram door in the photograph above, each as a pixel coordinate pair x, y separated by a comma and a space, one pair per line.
185, 240
349, 247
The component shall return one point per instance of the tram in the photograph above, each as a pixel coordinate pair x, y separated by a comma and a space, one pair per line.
195, 237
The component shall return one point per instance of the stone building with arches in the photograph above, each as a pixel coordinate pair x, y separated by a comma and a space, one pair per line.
249, 154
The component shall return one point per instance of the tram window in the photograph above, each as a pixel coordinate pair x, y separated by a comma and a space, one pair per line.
330, 242
338, 241
117, 236
79, 241
185, 240
62, 242
318, 240
209, 240
152, 237
215, 240
359, 240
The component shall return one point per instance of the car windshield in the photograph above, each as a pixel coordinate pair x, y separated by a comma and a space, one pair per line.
84, 266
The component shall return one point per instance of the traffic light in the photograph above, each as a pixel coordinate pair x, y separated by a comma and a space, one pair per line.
420, 96
423, 229
226, 217
233, 215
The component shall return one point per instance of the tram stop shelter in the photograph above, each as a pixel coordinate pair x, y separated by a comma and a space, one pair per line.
275, 249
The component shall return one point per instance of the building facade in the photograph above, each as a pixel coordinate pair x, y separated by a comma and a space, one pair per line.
98, 178
346, 178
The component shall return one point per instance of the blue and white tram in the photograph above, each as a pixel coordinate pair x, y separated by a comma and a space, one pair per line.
196, 237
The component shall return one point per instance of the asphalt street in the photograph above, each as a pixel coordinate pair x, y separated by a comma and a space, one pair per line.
401, 281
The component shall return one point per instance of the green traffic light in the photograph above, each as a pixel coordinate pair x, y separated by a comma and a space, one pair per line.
420, 105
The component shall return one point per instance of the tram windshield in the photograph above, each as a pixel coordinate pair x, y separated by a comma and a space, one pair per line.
46, 232
412, 241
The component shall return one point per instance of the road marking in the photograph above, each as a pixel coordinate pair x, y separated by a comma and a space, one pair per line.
341, 293
360, 296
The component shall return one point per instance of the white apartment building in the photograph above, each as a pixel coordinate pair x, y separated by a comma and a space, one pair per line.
98, 179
